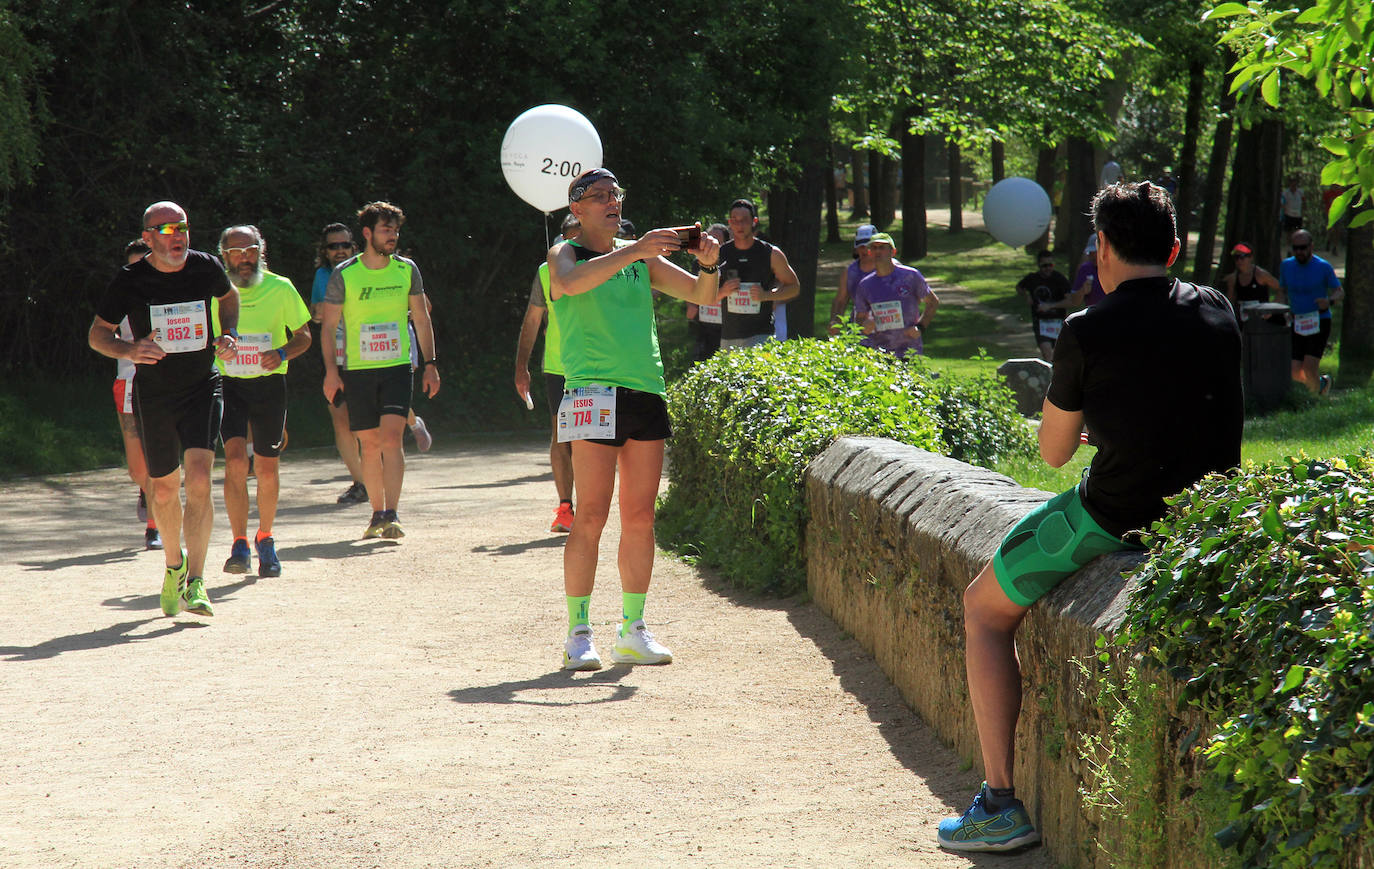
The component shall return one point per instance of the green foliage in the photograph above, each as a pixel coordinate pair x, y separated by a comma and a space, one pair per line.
1258, 595
747, 423
1328, 44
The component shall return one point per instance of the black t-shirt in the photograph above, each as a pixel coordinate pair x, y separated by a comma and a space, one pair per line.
140, 292
1045, 288
1155, 369
754, 264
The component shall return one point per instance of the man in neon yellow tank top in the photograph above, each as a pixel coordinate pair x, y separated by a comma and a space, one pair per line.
536, 311
374, 292
614, 412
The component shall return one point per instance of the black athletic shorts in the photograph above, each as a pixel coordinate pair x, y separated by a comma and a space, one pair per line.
372, 393
171, 422
1314, 344
553, 393
261, 401
639, 416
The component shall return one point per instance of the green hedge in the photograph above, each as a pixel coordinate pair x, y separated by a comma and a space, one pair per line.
1258, 596
747, 423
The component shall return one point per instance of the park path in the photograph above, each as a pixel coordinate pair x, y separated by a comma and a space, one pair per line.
401, 705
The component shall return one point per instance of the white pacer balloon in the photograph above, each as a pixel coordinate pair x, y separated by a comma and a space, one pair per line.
544, 150
1016, 211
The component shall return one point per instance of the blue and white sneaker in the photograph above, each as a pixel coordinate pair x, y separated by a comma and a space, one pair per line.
980, 830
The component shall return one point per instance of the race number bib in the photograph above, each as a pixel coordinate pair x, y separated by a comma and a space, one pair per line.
887, 316
180, 328
709, 313
586, 412
1050, 329
741, 301
379, 342
1307, 324
249, 361
339, 354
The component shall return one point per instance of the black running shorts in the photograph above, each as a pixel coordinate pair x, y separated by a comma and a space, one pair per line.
171, 422
261, 401
372, 393
639, 416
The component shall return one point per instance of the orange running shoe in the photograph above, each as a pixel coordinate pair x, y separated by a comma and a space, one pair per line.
563, 519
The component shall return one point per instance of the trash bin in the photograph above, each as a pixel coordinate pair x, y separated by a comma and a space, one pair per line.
1266, 343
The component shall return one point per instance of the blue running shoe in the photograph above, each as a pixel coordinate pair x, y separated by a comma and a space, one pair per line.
981, 830
268, 563
238, 561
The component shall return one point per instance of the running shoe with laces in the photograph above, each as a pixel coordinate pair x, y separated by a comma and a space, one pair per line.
268, 562
1324, 384
579, 650
562, 518
173, 584
636, 645
195, 598
1006, 829
239, 560
354, 494
377, 526
392, 529
152, 538
423, 439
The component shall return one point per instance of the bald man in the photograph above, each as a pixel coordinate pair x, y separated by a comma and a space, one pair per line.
177, 393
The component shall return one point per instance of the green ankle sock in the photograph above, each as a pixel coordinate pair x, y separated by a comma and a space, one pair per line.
632, 607
577, 611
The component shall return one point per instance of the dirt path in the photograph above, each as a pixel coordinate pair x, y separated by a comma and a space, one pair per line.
385, 705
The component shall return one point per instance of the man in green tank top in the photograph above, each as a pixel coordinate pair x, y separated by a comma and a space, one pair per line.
613, 411
560, 454
373, 293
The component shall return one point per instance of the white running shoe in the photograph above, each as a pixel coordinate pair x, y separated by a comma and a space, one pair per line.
579, 652
636, 645
423, 439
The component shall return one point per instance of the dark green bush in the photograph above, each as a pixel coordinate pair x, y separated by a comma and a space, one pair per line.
1258, 595
746, 424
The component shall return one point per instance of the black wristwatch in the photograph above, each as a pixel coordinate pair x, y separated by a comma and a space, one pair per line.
434, 362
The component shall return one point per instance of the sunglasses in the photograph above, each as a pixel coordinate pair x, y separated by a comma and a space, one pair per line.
169, 228
240, 251
339, 245
602, 197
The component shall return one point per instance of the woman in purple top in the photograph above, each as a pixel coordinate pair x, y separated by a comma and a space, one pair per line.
893, 303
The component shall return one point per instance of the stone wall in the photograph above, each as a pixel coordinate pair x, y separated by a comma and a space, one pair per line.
895, 534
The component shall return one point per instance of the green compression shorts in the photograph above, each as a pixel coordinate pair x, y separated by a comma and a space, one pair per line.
1051, 543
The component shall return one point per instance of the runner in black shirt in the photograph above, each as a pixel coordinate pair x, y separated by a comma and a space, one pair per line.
1050, 299
1154, 371
177, 399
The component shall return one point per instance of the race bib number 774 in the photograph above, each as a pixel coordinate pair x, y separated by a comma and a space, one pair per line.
587, 412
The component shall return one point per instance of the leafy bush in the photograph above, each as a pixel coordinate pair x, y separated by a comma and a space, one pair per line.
747, 423
1258, 595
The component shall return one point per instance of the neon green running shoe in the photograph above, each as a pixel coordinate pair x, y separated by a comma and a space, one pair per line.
197, 601
173, 584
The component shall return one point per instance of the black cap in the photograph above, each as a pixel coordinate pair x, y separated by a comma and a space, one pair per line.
587, 179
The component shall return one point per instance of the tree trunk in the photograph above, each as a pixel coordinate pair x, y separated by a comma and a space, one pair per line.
1252, 208
1187, 164
1078, 196
956, 189
856, 166
1044, 176
1216, 178
915, 241
832, 199
795, 226
878, 207
1357, 314
999, 160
